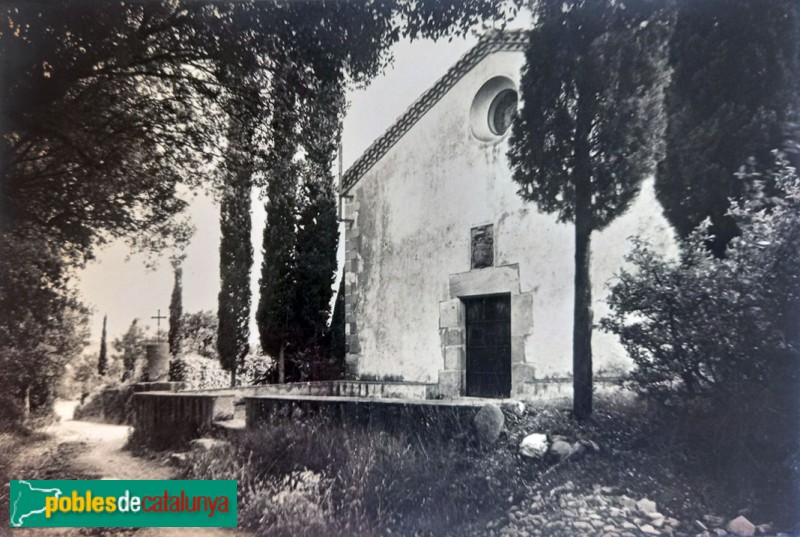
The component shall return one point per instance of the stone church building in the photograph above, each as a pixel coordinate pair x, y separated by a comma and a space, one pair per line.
450, 277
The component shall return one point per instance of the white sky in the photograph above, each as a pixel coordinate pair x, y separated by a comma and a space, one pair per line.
125, 289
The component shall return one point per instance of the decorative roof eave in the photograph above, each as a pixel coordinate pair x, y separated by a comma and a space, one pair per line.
495, 41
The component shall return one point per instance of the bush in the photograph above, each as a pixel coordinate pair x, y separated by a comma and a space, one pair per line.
716, 339
199, 372
255, 369
112, 403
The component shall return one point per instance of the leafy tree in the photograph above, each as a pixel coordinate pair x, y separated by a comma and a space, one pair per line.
131, 349
175, 313
200, 334
102, 359
43, 325
731, 100
716, 338
589, 130
701, 325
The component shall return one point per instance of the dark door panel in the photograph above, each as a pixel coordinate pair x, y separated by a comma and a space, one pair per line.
488, 324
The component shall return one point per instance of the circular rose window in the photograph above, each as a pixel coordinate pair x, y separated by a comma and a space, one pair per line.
502, 111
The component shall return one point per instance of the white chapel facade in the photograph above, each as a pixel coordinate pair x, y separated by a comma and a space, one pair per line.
450, 277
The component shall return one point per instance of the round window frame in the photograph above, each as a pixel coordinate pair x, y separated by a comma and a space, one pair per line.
481, 103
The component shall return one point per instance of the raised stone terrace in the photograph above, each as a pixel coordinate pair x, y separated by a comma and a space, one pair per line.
164, 418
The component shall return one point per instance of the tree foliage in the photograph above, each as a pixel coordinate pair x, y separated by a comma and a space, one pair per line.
301, 235
175, 333
589, 129
200, 334
235, 252
732, 99
131, 349
42, 326
715, 343
317, 232
277, 270
702, 326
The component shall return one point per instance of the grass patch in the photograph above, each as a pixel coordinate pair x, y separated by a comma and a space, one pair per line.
317, 477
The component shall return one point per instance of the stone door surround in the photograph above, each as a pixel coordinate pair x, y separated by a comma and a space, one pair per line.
486, 281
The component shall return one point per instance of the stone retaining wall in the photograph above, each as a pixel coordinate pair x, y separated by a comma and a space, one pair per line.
162, 420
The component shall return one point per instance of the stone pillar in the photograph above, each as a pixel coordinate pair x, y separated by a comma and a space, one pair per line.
157, 369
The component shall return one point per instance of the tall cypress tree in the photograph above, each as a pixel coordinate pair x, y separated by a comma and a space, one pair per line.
587, 133
730, 102
102, 361
318, 228
277, 282
176, 312
235, 252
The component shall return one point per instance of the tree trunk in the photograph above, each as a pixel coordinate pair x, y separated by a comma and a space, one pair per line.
582, 314
582, 325
282, 364
233, 377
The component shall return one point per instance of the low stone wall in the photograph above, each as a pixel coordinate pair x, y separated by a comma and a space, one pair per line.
445, 417
164, 420
164, 386
335, 388
553, 389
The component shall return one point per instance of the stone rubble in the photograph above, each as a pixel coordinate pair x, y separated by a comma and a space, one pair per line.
563, 511
559, 448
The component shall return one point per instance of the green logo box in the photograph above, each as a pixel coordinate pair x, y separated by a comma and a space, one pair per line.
122, 503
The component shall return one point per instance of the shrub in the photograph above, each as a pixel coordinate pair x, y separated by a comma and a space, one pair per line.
717, 340
111, 403
702, 325
199, 372
255, 369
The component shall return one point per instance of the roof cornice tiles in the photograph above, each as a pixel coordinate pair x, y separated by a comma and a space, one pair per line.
495, 41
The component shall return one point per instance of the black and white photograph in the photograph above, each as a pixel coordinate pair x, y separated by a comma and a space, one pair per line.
400, 268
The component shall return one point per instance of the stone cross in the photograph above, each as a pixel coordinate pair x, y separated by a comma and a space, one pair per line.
158, 318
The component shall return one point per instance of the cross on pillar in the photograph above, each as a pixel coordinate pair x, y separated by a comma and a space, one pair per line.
158, 318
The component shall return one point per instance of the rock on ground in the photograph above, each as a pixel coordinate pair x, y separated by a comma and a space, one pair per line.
646, 506
561, 449
741, 526
533, 446
488, 424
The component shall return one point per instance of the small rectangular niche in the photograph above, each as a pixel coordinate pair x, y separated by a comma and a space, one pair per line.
482, 244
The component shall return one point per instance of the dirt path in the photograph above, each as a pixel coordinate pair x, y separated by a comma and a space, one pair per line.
103, 456
99, 455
